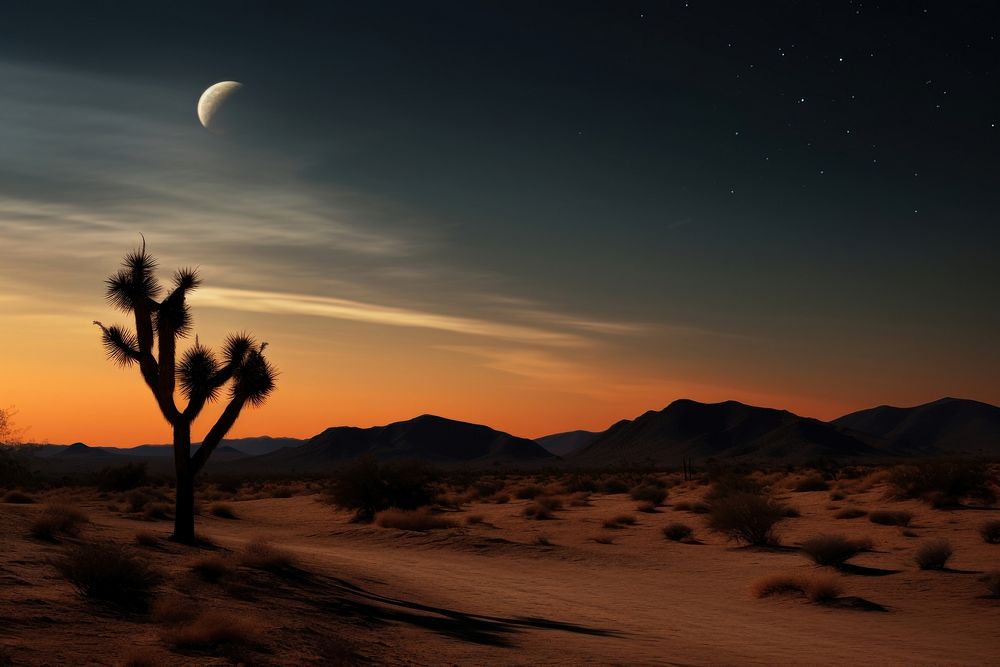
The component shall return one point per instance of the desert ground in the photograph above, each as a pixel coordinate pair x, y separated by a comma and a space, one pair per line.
292, 580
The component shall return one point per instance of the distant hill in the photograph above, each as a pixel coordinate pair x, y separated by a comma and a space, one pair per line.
945, 426
426, 438
248, 446
728, 430
564, 444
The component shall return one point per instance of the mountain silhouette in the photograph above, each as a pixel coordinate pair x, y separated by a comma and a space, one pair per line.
428, 438
564, 444
942, 427
729, 430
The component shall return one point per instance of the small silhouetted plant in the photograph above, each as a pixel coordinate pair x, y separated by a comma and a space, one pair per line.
677, 531
109, 573
620, 521
833, 550
746, 517
122, 478
614, 485
990, 532
649, 493
891, 517
933, 555
529, 492
367, 486
57, 521
816, 588
201, 375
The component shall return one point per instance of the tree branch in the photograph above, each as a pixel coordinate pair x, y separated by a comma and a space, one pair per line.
218, 432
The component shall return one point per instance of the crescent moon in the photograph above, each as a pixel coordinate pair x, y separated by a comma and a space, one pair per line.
213, 98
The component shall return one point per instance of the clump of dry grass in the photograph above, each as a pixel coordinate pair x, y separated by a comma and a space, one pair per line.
619, 521
677, 531
747, 517
990, 532
260, 554
538, 511
109, 573
649, 493
833, 550
144, 538
646, 507
816, 588
18, 498
212, 568
58, 521
891, 517
419, 519
850, 513
223, 511
933, 555
992, 581
212, 629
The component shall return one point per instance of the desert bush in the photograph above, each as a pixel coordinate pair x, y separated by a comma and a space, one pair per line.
944, 483
649, 493
992, 581
746, 517
156, 511
212, 629
528, 492
538, 511
420, 520
647, 507
223, 511
58, 521
990, 532
850, 513
620, 521
580, 499
933, 555
212, 568
582, 483
144, 538
614, 485
810, 483
109, 573
677, 531
500, 499
367, 487
122, 478
260, 554
816, 588
891, 517
729, 483
833, 550
18, 498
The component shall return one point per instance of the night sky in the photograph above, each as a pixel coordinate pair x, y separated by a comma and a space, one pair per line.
541, 216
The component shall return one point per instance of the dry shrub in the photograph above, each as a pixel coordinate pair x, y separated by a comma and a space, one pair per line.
580, 499
677, 531
933, 555
850, 513
156, 511
223, 511
367, 486
260, 554
529, 492
109, 573
944, 483
537, 511
500, 499
891, 517
614, 485
746, 517
144, 538
58, 521
646, 507
420, 520
992, 581
474, 519
212, 568
18, 498
212, 629
816, 588
649, 493
810, 483
990, 532
620, 521
833, 550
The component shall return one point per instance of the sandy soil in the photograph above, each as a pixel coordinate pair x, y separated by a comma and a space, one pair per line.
489, 594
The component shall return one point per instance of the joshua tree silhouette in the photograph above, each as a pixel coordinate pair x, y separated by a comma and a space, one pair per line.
202, 377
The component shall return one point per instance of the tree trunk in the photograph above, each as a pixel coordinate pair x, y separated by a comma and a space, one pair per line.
184, 508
